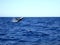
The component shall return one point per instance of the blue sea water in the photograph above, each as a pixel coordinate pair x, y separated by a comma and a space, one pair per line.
30, 31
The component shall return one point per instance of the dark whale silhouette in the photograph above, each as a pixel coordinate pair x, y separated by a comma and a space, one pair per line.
17, 19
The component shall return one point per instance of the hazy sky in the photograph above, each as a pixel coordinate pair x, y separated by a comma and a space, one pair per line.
29, 7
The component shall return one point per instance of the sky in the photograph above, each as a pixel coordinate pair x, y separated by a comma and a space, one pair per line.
29, 8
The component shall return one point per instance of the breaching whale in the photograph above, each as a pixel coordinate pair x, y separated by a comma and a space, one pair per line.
17, 19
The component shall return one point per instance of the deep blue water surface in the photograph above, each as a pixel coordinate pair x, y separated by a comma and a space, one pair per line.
30, 31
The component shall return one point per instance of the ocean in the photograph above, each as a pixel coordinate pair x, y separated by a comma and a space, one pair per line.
30, 31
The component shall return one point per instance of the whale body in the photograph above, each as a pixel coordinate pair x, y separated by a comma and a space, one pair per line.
17, 19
